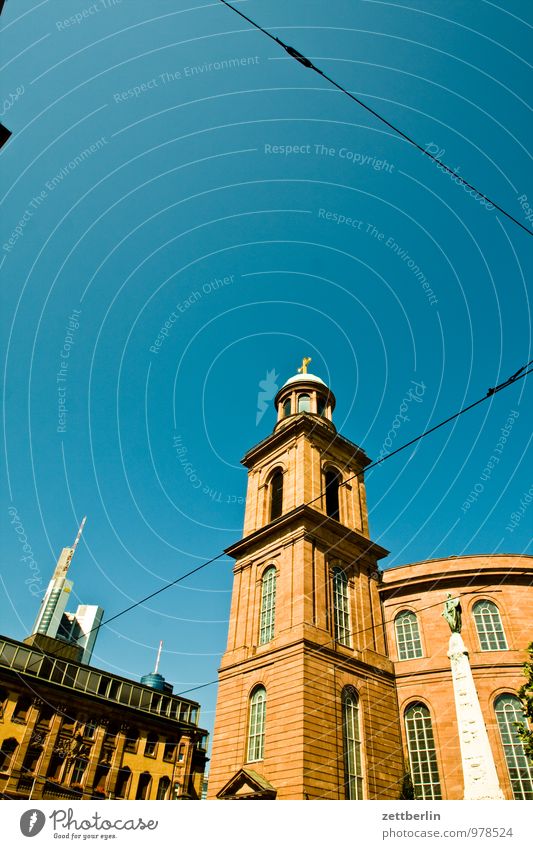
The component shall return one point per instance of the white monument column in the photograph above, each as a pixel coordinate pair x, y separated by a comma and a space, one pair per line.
479, 770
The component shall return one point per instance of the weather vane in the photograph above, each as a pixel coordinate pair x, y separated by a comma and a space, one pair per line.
303, 367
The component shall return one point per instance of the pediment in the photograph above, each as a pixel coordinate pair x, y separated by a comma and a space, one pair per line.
247, 784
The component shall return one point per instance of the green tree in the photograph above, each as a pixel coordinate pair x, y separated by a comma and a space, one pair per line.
525, 694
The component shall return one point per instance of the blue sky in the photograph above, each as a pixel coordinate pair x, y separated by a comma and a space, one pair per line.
166, 159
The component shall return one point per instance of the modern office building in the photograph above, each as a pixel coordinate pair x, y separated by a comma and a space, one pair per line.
53, 620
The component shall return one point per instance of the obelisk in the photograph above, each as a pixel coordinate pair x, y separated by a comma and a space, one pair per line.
479, 770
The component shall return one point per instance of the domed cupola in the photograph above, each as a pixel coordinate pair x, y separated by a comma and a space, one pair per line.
304, 394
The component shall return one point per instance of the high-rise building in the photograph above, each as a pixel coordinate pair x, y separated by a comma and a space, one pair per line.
53, 620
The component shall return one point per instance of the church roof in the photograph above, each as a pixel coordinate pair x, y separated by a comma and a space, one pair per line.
308, 378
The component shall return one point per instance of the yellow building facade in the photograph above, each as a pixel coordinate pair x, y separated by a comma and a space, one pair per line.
71, 731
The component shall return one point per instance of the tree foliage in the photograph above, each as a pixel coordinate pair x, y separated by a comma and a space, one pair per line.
525, 694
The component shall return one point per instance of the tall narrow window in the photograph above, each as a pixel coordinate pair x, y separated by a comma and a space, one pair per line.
489, 626
304, 404
256, 731
268, 605
353, 770
132, 740
287, 407
163, 788
144, 786
320, 405
123, 783
20, 713
55, 767
341, 607
78, 771
407, 635
508, 711
31, 759
422, 752
150, 747
3, 701
332, 493
276, 494
100, 778
8, 749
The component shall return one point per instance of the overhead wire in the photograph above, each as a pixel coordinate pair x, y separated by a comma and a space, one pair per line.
518, 375
522, 372
307, 63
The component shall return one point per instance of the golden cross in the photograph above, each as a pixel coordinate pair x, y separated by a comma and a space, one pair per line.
303, 367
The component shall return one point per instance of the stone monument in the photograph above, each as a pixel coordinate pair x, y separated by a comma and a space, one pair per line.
479, 770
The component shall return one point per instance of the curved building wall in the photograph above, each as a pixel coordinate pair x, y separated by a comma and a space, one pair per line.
504, 580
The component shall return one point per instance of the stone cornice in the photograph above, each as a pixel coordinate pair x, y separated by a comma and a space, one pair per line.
312, 425
316, 524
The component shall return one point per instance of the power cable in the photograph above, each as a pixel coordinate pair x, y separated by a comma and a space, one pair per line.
356, 633
303, 60
516, 376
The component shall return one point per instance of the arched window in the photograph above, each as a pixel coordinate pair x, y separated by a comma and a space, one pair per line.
407, 635
422, 752
150, 747
332, 493
341, 607
7, 751
276, 494
123, 782
163, 788
144, 786
287, 407
268, 605
304, 404
353, 769
320, 405
256, 728
509, 710
489, 626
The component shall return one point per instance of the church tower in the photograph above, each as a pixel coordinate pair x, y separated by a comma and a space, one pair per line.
306, 703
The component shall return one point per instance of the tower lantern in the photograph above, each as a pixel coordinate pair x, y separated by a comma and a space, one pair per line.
304, 393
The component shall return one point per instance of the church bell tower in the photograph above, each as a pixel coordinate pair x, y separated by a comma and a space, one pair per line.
306, 702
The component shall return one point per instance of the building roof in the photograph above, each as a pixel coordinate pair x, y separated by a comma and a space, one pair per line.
305, 378
35, 666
